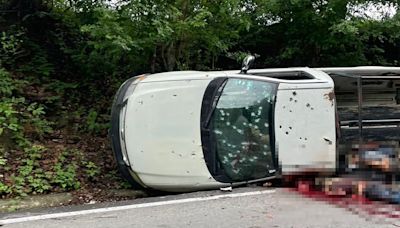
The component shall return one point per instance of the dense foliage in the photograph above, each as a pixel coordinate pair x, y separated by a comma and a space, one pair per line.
62, 60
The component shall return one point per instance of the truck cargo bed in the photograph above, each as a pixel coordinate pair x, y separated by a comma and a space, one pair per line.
368, 117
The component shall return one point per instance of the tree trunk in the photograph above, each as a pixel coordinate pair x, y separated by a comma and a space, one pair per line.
153, 61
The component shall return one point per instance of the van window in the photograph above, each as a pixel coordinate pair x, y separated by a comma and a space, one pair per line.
242, 128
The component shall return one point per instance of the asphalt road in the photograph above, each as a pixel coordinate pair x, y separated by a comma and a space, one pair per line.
246, 207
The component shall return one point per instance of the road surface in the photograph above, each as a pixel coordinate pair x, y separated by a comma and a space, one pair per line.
243, 207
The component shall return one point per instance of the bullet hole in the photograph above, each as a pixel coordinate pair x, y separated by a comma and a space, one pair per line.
290, 99
287, 133
280, 126
284, 107
187, 172
180, 155
308, 105
174, 95
173, 152
295, 101
290, 110
300, 137
141, 151
312, 108
290, 128
305, 139
294, 93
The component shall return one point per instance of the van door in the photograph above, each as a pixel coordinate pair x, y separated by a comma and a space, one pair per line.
238, 129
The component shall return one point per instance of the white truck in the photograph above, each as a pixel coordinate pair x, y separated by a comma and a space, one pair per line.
192, 130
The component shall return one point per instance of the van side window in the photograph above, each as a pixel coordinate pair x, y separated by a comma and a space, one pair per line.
242, 128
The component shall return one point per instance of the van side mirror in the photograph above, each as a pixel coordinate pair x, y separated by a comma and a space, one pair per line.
247, 62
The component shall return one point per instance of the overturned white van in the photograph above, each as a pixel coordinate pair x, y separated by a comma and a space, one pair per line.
191, 130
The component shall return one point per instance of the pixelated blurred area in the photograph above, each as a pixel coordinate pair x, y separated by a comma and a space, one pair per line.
368, 160
371, 171
368, 151
369, 180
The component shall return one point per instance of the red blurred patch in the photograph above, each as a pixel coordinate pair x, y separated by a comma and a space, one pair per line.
355, 203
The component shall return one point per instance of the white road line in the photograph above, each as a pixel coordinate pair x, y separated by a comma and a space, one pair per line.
127, 207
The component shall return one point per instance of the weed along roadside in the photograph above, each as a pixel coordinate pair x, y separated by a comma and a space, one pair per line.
41, 153
63, 199
30, 202
69, 175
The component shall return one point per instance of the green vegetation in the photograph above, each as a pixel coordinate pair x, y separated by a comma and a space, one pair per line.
62, 61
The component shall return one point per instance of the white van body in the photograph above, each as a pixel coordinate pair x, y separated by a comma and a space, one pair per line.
157, 126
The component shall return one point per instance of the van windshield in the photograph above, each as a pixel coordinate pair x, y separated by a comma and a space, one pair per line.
242, 128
